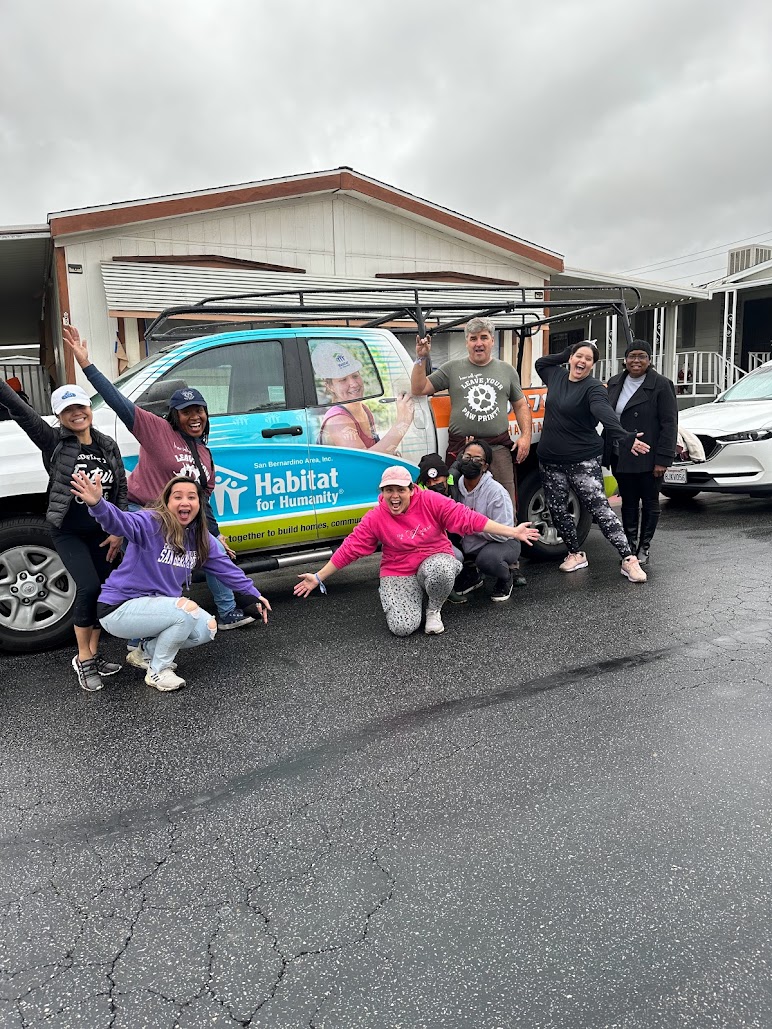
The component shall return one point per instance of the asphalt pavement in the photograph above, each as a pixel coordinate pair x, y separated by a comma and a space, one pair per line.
555, 815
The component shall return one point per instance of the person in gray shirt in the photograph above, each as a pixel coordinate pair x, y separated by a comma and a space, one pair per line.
482, 389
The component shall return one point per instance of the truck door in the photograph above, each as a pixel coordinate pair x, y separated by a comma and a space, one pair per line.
258, 437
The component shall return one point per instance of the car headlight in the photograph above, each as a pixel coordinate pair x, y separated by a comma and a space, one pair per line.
745, 437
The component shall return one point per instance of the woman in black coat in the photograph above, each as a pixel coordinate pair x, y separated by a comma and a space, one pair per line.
645, 402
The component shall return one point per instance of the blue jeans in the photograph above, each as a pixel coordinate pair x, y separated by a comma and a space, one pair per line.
162, 625
222, 595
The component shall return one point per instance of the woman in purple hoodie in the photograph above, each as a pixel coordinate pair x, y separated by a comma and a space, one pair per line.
142, 598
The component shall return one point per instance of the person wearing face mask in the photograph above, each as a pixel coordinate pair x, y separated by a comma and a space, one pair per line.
170, 446
485, 553
646, 403
435, 475
86, 551
570, 450
411, 524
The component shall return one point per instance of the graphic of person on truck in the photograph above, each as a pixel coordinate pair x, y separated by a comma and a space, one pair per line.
349, 422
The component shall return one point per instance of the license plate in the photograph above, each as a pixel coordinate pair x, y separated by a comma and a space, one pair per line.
676, 475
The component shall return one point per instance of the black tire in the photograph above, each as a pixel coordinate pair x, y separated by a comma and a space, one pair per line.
36, 593
684, 495
532, 507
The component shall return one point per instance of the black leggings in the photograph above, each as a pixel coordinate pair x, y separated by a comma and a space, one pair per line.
586, 480
88, 568
640, 498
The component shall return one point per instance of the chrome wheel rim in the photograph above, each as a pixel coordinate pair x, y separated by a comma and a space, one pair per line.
35, 590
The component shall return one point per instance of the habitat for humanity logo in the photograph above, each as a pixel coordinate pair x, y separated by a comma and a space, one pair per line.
226, 484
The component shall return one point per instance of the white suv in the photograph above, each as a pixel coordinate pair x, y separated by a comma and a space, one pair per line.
736, 433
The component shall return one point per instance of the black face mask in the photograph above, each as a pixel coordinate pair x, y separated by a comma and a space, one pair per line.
470, 469
441, 487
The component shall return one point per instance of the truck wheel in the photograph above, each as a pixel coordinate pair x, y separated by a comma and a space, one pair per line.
679, 494
532, 506
36, 593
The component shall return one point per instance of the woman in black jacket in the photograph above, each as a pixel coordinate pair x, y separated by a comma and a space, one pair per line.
646, 403
86, 551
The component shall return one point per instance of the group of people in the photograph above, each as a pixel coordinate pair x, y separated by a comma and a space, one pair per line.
439, 536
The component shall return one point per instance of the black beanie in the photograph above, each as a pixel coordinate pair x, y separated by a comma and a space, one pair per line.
429, 467
639, 344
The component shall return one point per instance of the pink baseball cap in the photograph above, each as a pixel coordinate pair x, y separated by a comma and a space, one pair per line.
396, 475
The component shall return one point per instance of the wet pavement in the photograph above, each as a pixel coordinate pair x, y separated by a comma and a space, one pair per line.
555, 815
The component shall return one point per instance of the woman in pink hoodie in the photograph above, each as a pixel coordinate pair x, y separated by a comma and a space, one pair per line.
411, 525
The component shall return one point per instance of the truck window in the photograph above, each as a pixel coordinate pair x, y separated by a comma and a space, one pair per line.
343, 371
236, 379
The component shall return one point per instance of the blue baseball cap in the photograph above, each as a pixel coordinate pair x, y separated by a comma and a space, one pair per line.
185, 398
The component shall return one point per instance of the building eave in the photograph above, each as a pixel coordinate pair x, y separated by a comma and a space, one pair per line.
345, 180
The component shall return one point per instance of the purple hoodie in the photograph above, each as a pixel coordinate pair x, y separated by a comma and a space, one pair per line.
150, 568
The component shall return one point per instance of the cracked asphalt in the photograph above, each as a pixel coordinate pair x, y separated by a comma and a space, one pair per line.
556, 815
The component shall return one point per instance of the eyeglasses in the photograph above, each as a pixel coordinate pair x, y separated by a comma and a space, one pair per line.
479, 461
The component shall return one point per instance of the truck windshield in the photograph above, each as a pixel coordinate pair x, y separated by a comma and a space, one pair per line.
756, 386
124, 382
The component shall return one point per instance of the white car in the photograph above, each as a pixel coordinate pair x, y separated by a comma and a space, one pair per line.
736, 433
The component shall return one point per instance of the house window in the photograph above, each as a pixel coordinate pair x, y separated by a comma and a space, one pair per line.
687, 327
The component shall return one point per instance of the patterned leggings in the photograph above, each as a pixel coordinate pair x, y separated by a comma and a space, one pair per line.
586, 480
402, 595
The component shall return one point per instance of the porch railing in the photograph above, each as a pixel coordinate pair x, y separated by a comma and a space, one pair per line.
757, 358
704, 373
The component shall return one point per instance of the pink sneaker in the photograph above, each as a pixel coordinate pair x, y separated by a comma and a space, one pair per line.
574, 562
632, 569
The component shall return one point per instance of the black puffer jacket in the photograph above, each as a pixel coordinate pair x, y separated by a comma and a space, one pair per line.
60, 452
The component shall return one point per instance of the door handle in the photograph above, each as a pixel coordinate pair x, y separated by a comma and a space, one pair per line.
283, 430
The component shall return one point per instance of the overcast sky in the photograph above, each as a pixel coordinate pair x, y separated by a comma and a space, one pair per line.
618, 133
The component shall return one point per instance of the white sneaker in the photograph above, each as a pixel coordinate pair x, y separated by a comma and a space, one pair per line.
138, 657
433, 623
165, 680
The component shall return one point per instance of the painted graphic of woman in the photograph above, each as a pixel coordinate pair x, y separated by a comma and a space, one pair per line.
349, 422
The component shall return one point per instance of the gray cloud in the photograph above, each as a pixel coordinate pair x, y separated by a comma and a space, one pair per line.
616, 133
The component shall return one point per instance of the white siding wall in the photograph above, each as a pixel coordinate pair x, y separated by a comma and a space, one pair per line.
329, 235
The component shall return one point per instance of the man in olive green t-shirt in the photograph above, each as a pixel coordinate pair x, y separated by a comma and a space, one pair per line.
481, 388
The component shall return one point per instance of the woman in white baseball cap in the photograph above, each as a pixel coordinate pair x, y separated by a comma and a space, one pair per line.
411, 525
86, 550
349, 422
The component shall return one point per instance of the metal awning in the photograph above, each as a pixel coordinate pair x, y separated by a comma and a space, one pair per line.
144, 290
653, 293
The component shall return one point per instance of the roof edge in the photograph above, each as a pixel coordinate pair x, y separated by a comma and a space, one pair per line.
342, 179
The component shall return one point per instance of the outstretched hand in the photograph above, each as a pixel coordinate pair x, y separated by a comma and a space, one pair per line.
89, 492
308, 583
639, 447
526, 534
113, 544
76, 345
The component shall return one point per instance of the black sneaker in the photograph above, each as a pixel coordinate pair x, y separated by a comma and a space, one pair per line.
89, 678
234, 619
106, 667
503, 590
643, 556
468, 581
518, 579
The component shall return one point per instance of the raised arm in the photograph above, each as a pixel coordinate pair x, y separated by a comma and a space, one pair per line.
420, 386
122, 406
546, 365
43, 435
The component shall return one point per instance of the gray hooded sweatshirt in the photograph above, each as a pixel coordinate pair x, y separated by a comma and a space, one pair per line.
491, 499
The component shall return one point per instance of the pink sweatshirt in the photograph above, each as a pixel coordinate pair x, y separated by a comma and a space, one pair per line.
409, 538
